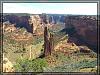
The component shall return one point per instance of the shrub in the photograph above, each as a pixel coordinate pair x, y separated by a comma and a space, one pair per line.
35, 65
73, 67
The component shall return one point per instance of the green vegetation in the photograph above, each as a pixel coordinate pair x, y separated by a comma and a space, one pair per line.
56, 28
35, 65
37, 40
57, 62
73, 67
59, 36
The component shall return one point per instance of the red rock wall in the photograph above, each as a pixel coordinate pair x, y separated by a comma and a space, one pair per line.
85, 27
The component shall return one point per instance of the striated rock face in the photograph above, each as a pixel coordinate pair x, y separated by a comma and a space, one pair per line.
31, 23
85, 28
44, 18
35, 22
84, 49
81, 27
8, 28
19, 21
52, 18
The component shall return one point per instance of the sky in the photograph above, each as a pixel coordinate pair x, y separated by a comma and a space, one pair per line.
52, 8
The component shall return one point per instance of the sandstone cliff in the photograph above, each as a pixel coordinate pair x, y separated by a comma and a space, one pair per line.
83, 28
35, 23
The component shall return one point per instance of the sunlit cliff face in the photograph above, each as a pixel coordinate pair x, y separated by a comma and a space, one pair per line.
85, 26
35, 21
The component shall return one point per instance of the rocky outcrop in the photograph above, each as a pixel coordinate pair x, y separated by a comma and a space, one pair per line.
66, 48
56, 18
52, 18
19, 21
8, 27
31, 23
83, 28
7, 65
44, 18
48, 42
35, 23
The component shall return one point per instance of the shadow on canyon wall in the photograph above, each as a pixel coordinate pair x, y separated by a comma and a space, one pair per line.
81, 29
19, 21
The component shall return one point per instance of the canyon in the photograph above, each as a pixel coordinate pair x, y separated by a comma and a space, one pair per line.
82, 27
50, 37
